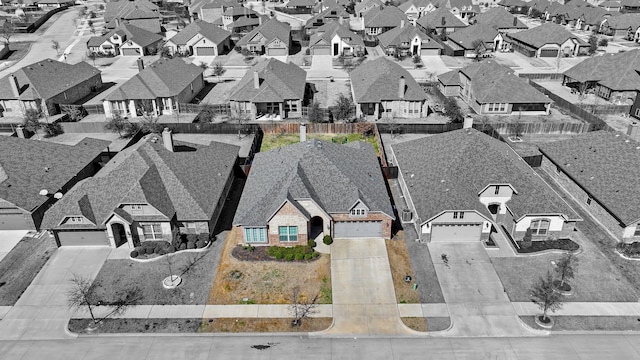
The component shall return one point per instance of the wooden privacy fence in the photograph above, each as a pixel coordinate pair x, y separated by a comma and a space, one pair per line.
542, 128
543, 76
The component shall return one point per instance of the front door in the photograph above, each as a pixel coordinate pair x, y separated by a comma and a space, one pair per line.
415, 50
336, 49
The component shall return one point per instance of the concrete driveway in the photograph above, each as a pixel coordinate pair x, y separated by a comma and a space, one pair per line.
477, 303
42, 312
9, 239
364, 300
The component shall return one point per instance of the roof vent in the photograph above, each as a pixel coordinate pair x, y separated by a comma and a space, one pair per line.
626, 141
46, 169
591, 178
442, 181
617, 135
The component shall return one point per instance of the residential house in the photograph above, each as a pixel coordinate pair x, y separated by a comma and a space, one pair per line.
157, 89
238, 13
630, 6
613, 77
441, 21
610, 5
415, 9
407, 40
147, 192
335, 39
300, 6
291, 196
364, 6
490, 88
382, 88
270, 90
139, 13
210, 10
200, 38
45, 85
625, 26
376, 21
477, 37
272, 38
464, 185
547, 40
515, 6
580, 17
600, 170
54, 4
35, 174
464, 9
126, 40
337, 13
501, 19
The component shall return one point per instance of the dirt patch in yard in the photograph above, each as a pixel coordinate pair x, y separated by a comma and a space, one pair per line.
111, 326
21, 265
400, 268
241, 325
415, 323
268, 282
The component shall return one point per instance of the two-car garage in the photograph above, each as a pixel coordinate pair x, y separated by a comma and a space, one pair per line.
82, 238
456, 232
357, 229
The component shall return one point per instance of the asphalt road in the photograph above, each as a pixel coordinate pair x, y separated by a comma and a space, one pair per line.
566, 347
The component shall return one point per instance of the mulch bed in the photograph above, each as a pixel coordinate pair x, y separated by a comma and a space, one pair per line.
542, 245
259, 253
111, 326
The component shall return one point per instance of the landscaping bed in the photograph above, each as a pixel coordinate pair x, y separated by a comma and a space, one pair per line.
415, 323
21, 265
400, 268
630, 250
154, 249
240, 325
589, 323
274, 253
438, 323
268, 282
274, 141
110, 326
544, 245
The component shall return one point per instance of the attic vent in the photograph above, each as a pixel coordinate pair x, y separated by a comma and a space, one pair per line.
591, 178
42, 65
617, 135
442, 181
447, 189
46, 169
626, 141
637, 147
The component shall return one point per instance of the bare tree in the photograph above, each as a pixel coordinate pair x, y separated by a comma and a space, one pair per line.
7, 31
150, 121
55, 46
93, 56
545, 297
301, 307
73, 111
83, 294
32, 121
218, 70
566, 269
123, 127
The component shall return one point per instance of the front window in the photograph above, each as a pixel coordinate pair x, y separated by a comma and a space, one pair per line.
288, 233
540, 227
497, 107
152, 231
255, 235
637, 232
455, 214
358, 212
497, 190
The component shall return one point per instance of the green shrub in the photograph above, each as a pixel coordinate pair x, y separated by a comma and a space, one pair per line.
134, 254
327, 240
300, 256
171, 250
279, 256
289, 257
274, 251
182, 246
308, 256
191, 245
149, 250
204, 238
315, 254
192, 238
200, 244
311, 243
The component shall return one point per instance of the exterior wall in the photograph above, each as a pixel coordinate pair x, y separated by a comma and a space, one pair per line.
277, 44
72, 95
288, 215
449, 90
398, 109
220, 47
595, 208
201, 227
221, 201
12, 107
484, 109
557, 227
371, 216
188, 93
8, 207
314, 210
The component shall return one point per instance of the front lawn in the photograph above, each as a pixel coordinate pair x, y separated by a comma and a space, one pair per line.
274, 141
117, 275
268, 282
588, 323
400, 268
597, 279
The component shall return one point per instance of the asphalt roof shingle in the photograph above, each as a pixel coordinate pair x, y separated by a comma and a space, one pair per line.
388, 17
500, 18
447, 171
378, 80
335, 176
272, 29
407, 33
209, 31
607, 165
547, 33
139, 36
278, 82
465, 37
434, 20
619, 72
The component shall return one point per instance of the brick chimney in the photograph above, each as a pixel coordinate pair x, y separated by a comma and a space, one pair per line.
140, 64
256, 80
15, 87
167, 139
401, 24
634, 131
401, 85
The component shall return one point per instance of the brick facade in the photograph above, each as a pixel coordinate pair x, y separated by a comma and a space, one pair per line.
288, 215
72, 95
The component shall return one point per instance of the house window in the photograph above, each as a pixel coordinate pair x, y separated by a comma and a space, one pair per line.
637, 232
136, 208
245, 107
461, 214
386, 106
638, 112
358, 212
497, 107
255, 235
540, 227
455, 214
191, 87
152, 231
497, 191
288, 233
75, 219
589, 200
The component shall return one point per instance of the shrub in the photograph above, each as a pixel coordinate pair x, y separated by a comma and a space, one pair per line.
191, 238
311, 243
149, 250
307, 52
200, 244
308, 256
134, 254
205, 238
315, 254
171, 250
327, 240
280, 256
289, 257
526, 240
191, 245
300, 256
157, 249
161, 251
273, 251
53, 129
182, 246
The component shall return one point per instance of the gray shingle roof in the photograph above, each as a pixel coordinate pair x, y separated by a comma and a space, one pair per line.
209, 31
465, 37
447, 171
335, 176
278, 82
624, 21
163, 78
272, 29
123, 9
547, 33
390, 16
499, 18
398, 35
434, 20
46, 78
618, 72
607, 165
327, 31
187, 184
28, 166
378, 80
139, 36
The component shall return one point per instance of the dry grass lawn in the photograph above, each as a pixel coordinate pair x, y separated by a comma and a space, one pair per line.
400, 267
415, 323
268, 282
241, 325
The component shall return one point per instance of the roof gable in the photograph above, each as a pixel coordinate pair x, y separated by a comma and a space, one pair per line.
378, 80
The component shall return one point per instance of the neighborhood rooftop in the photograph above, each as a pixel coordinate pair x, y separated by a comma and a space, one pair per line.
615, 71
378, 80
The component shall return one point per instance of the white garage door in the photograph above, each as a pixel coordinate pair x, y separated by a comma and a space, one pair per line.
83, 238
548, 52
456, 232
277, 52
430, 52
321, 50
130, 52
14, 222
354, 229
205, 51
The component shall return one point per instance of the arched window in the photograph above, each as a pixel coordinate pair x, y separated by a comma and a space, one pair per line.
540, 226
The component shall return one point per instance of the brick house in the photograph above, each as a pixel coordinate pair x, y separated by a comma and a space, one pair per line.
335, 38
147, 192
272, 38
377, 21
468, 38
51, 169
46, 85
600, 170
126, 40
407, 40
625, 26
200, 38
311, 189
547, 40
463, 185
139, 13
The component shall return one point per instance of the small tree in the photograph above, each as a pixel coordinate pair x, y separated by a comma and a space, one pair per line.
526, 239
518, 127
207, 113
166, 52
217, 70
453, 111
123, 127
73, 111
7, 31
83, 294
301, 306
150, 122
92, 56
545, 297
479, 48
315, 114
417, 61
566, 269
593, 44
55, 46
604, 42
203, 65
32, 121
344, 108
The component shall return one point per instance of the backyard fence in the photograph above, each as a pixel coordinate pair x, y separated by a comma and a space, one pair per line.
606, 109
541, 128
542, 76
